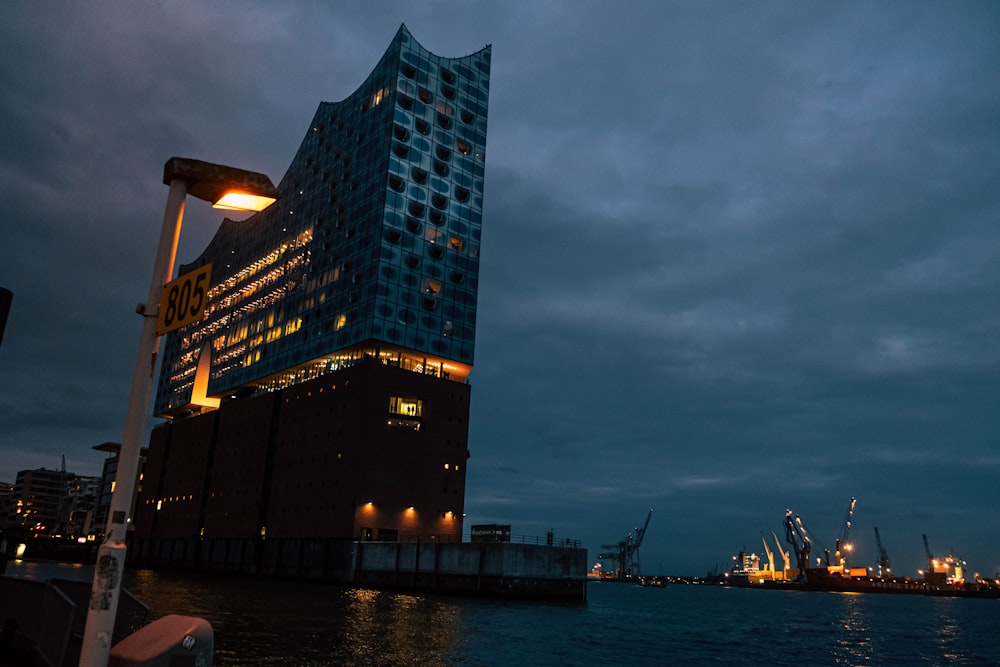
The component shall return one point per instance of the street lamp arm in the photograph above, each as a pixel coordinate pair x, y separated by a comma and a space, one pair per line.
211, 182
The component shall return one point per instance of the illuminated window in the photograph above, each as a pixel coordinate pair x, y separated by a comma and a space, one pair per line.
408, 406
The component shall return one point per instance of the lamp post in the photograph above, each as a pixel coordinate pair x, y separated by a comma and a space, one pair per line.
225, 187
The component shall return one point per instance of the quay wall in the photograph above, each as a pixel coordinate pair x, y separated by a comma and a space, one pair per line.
495, 569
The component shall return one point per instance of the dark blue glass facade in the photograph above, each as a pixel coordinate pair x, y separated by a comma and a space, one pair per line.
372, 250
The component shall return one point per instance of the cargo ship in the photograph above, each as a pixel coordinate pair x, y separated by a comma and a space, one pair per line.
943, 577
855, 580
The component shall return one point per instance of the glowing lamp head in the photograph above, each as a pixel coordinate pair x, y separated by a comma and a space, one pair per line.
234, 200
225, 187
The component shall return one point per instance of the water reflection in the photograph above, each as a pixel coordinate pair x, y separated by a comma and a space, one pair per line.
398, 629
269, 622
43, 570
948, 633
853, 638
263, 622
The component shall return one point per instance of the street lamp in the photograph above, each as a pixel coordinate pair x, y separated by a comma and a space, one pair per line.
225, 187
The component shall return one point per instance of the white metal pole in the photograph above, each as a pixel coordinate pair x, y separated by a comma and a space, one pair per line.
97, 635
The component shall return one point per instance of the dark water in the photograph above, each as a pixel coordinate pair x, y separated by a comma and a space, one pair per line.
294, 623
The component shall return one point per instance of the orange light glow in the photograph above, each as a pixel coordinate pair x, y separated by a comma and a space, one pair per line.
199, 392
233, 200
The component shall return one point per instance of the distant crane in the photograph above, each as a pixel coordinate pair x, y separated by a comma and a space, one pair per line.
842, 544
797, 536
626, 554
785, 555
883, 555
770, 554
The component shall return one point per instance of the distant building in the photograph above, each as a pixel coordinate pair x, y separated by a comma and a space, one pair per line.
44, 501
38, 498
7, 505
324, 395
106, 485
81, 503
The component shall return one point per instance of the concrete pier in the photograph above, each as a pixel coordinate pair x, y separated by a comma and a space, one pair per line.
495, 569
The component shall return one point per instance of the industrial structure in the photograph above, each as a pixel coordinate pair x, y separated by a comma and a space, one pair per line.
942, 576
884, 568
324, 393
949, 570
625, 562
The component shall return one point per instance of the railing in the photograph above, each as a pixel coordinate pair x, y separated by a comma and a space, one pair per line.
547, 540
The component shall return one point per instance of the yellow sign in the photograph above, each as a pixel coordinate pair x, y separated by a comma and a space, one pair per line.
184, 300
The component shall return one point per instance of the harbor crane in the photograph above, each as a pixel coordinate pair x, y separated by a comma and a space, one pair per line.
626, 554
798, 538
883, 555
842, 545
770, 554
785, 555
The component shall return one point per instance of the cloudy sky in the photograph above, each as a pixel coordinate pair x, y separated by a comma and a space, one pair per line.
737, 257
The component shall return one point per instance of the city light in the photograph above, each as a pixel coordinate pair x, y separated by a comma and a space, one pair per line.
243, 201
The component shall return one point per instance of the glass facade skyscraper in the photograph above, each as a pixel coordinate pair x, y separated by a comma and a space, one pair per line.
372, 252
